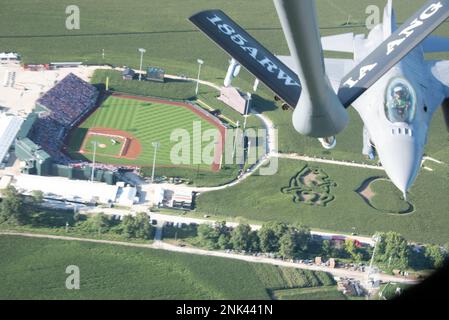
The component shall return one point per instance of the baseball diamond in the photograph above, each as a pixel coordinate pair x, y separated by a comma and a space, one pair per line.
124, 128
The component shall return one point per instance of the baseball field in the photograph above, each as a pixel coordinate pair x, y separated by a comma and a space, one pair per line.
124, 130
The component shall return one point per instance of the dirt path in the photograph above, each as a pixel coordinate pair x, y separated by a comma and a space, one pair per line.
159, 245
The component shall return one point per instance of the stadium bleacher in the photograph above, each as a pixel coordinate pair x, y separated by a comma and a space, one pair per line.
69, 100
65, 104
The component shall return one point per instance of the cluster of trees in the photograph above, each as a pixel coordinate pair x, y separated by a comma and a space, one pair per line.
436, 255
393, 252
295, 241
132, 227
12, 207
137, 227
286, 240
349, 250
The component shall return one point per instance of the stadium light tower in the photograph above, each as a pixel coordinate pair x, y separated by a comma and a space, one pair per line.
93, 161
200, 63
248, 102
142, 51
156, 146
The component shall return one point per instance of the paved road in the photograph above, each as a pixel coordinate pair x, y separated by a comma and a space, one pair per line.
357, 275
295, 156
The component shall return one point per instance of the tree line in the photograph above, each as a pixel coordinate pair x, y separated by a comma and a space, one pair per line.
296, 242
284, 240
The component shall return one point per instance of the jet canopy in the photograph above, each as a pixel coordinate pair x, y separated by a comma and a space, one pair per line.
400, 104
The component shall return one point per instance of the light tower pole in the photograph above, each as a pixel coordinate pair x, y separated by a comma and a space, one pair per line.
93, 161
200, 63
248, 102
156, 146
142, 51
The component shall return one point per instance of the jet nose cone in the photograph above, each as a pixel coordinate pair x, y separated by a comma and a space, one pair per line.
401, 163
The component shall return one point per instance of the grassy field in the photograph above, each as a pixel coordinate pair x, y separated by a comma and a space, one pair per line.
320, 293
147, 122
172, 89
35, 269
387, 197
259, 198
173, 43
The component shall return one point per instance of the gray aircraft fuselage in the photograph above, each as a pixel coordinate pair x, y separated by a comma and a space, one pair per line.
399, 134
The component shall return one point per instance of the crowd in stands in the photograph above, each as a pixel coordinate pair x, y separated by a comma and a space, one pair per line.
66, 104
69, 100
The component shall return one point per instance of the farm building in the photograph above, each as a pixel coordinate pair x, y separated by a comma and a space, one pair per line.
128, 74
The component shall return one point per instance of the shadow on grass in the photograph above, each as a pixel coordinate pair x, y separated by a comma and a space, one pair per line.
262, 105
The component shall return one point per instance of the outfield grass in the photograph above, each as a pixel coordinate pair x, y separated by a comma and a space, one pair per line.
172, 89
147, 122
35, 269
259, 198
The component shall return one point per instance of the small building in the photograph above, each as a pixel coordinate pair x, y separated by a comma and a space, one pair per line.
5, 181
128, 74
79, 190
235, 99
60, 65
9, 57
155, 74
34, 160
126, 196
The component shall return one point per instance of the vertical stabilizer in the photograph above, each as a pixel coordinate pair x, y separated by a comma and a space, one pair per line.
389, 21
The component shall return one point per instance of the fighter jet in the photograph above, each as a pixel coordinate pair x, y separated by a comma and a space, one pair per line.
388, 81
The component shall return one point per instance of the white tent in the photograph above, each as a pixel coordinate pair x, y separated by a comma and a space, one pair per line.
9, 127
9, 56
68, 189
126, 196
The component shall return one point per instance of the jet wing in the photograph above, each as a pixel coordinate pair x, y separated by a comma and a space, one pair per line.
339, 43
240, 45
440, 70
336, 69
436, 44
